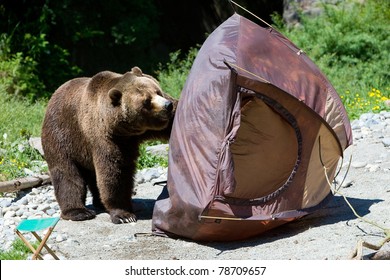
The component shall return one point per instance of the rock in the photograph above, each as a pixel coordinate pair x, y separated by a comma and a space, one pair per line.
292, 9
28, 172
43, 207
9, 214
358, 164
386, 142
347, 184
150, 174
158, 150
372, 167
60, 237
36, 143
5, 203
35, 191
22, 201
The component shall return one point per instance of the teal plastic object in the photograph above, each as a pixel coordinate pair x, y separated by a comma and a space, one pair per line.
37, 224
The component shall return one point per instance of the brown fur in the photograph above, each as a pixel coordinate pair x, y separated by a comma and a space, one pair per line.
91, 135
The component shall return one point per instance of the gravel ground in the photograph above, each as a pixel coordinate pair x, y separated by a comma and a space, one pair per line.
331, 233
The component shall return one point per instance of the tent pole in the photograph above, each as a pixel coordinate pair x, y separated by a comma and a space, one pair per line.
263, 21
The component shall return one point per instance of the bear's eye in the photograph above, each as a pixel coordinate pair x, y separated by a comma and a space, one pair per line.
147, 103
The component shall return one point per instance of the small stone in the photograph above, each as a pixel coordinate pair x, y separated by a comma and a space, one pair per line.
366, 116
139, 178
26, 215
386, 142
365, 131
51, 212
32, 206
28, 172
60, 238
358, 164
5, 203
151, 173
158, 150
22, 201
20, 212
9, 222
9, 214
372, 167
43, 207
347, 184
36, 143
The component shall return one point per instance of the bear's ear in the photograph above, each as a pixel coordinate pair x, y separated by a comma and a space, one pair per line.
115, 96
136, 71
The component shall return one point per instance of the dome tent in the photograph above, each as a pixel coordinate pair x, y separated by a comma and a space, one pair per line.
256, 124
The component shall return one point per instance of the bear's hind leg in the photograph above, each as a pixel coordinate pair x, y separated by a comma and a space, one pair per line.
71, 192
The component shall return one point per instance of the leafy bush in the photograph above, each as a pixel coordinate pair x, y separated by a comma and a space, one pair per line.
27, 73
173, 75
147, 160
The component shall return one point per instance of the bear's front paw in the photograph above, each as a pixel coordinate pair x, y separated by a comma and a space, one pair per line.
119, 216
78, 214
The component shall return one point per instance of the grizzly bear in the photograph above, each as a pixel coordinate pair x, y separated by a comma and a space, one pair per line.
91, 135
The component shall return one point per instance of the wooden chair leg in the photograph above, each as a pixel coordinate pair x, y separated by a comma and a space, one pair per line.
28, 245
43, 243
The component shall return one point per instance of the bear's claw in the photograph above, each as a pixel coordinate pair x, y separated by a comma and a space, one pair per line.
119, 216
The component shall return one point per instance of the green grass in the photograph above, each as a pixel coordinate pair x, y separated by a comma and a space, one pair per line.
19, 117
19, 120
18, 251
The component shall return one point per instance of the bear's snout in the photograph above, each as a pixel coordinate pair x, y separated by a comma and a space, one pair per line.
168, 106
161, 103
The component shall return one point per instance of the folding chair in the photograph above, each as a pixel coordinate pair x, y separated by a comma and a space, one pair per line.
34, 225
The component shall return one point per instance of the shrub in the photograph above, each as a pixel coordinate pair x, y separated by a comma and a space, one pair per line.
147, 160
173, 75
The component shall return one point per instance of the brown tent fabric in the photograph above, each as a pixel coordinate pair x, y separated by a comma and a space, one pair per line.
256, 124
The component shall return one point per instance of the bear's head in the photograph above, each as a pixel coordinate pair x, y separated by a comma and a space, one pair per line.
140, 104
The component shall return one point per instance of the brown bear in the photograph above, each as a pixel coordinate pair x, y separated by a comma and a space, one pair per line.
91, 135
